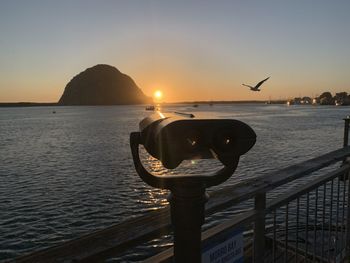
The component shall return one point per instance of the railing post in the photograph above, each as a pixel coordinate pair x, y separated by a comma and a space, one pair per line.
346, 131
348, 222
259, 227
346, 140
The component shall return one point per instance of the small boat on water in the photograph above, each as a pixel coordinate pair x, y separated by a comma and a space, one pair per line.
195, 105
151, 107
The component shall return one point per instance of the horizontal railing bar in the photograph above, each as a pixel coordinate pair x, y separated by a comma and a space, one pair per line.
209, 234
281, 245
98, 243
131, 232
283, 199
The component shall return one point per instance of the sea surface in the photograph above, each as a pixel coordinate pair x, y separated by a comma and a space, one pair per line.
68, 173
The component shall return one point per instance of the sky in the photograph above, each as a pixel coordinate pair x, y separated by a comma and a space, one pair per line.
190, 50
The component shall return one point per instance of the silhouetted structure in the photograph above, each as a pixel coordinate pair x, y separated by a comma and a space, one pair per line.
342, 98
102, 85
326, 98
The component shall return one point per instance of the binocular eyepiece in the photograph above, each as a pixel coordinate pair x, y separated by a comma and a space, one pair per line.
172, 139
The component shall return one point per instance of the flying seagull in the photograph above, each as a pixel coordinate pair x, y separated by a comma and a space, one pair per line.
256, 88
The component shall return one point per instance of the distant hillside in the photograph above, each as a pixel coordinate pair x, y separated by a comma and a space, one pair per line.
102, 85
27, 104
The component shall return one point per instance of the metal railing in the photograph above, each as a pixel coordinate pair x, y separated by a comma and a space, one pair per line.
312, 225
308, 224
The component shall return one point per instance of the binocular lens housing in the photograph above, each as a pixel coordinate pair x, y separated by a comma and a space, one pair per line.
173, 139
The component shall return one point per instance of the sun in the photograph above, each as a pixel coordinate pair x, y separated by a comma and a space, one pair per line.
158, 94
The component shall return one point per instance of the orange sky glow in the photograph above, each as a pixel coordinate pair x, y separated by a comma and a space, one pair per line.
190, 52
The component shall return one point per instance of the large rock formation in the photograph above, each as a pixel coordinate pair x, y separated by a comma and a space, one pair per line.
102, 85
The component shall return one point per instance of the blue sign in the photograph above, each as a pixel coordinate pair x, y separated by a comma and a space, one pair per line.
225, 248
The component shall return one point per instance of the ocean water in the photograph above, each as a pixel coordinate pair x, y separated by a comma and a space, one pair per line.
67, 174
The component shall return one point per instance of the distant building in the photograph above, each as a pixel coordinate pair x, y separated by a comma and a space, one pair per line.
326, 98
306, 100
298, 101
342, 98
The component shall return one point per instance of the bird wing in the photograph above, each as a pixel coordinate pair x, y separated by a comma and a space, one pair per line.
248, 86
261, 82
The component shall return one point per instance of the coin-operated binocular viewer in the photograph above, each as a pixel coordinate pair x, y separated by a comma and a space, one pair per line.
172, 139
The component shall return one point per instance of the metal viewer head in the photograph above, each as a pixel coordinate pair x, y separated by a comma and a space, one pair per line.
172, 139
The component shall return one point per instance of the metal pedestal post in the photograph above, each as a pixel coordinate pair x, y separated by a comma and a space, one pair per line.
187, 215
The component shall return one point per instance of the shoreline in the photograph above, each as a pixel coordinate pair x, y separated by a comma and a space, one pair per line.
36, 104
27, 104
